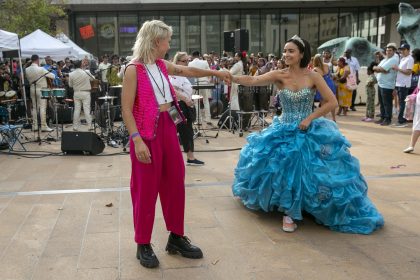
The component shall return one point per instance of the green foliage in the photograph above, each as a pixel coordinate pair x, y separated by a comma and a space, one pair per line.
25, 16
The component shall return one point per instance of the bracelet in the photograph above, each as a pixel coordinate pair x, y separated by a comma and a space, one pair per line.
134, 135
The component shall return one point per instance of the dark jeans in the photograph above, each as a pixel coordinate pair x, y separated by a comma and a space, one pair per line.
402, 94
185, 130
385, 101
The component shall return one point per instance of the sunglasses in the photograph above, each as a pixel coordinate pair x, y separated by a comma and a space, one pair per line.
185, 60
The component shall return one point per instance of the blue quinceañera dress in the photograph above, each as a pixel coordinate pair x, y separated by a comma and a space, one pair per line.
292, 170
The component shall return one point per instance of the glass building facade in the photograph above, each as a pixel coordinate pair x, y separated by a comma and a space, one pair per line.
204, 30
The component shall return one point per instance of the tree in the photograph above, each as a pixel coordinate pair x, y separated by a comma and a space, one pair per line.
25, 16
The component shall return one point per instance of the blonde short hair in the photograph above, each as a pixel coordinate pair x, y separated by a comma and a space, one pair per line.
318, 61
145, 41
178, 56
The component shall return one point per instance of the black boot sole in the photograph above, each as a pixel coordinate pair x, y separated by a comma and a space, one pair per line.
148, 264
173, 250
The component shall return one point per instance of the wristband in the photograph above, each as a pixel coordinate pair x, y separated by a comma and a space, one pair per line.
134, 135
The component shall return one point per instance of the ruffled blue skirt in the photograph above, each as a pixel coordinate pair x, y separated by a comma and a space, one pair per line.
292, 170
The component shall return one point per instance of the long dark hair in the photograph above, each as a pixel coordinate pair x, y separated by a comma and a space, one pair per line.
244, 61
416, 55
305, 49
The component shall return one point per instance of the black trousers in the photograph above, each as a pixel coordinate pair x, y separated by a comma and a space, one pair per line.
185, 130
386, 103
353, 98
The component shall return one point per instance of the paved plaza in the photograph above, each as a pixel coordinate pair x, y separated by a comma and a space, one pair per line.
70, 217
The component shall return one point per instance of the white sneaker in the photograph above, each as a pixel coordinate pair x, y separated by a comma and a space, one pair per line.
46, 129
408, 150
288, 224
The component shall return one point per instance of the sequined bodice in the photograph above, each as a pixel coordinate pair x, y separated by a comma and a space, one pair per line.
296, 105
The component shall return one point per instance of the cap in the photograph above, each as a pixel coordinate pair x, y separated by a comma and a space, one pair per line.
392, 45
404, 46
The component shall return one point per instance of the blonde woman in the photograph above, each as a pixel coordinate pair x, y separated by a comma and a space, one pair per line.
184, 91
151, 112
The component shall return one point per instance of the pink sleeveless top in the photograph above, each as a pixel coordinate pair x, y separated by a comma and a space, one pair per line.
146, 108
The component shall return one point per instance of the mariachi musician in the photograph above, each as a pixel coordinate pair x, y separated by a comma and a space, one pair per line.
113, 78
37, 77
49, 66
80, 80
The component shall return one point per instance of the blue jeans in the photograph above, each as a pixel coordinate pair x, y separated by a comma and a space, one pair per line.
402, 94
385, 103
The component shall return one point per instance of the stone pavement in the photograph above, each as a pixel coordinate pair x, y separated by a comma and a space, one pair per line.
70, 233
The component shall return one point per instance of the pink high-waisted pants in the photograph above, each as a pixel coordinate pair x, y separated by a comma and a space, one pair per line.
164, 176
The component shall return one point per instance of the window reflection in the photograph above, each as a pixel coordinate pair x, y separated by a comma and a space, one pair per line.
190, 32
289, 26
173, 21
250, 20
328, 28
348, 23
210, 32
373, 27
127, 30
309, 28
270, 32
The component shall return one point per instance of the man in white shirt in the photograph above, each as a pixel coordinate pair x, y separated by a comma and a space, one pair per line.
206, 93
354, 65
386, 77
403, 82
79, 80
37, 77
103, 70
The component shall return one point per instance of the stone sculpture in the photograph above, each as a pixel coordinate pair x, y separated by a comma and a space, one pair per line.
409, 25
361, 48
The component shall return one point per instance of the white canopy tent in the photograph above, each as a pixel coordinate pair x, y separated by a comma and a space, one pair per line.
80, 53
42, 44
8, 42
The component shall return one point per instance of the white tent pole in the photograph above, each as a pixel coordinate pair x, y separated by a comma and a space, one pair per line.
23, 81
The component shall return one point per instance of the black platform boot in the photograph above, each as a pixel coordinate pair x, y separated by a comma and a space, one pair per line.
182, 245
146, 256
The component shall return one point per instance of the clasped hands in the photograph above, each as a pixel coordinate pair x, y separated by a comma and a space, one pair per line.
226, 76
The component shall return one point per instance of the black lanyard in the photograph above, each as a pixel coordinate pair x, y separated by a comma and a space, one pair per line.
163, 93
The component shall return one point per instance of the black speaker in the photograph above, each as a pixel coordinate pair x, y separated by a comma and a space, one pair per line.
81, 142
241, 40
229, 41
10, 54
64, 114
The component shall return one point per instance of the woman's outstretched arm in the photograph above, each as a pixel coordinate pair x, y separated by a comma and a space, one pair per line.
186, 71
263, 80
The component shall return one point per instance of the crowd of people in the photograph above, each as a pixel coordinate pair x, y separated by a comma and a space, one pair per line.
391, 78
301, 162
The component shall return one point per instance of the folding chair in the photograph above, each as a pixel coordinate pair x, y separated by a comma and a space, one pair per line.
9, 134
